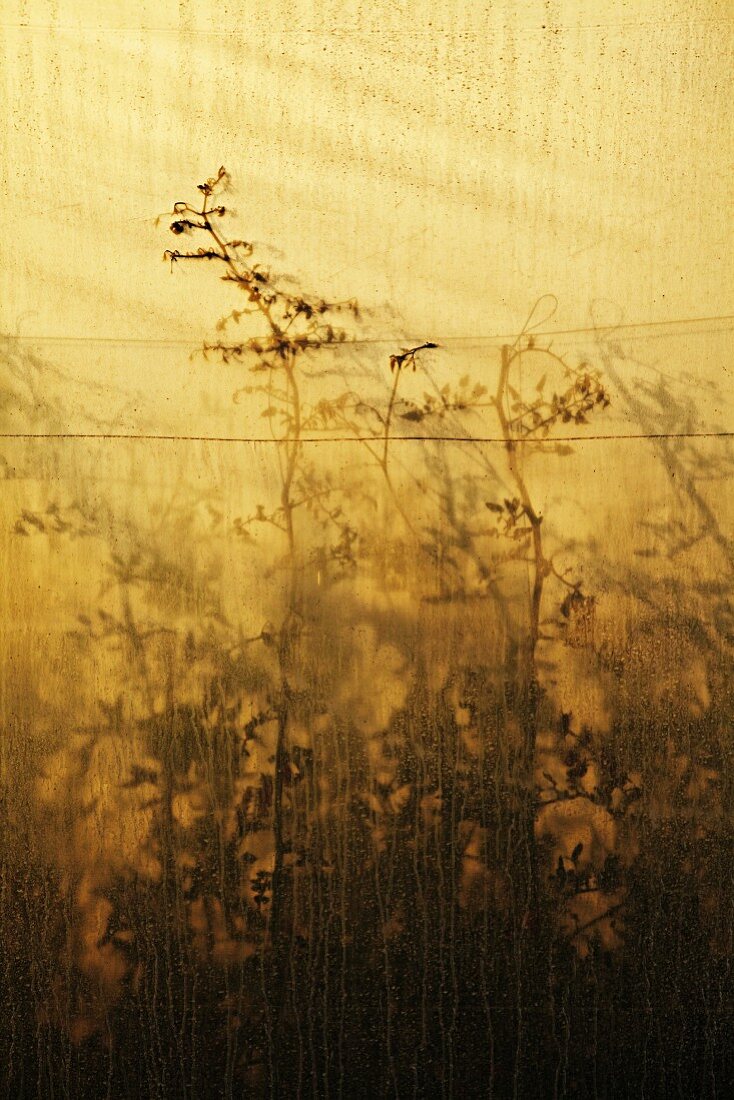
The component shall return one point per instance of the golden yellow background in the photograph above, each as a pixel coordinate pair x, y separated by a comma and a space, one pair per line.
450, 165
455, 160
445, 164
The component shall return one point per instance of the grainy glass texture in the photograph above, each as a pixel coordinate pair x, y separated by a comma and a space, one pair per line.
366, 631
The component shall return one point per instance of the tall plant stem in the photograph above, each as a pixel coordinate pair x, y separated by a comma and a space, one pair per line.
288, 638
291, 443
540, 565
540, 570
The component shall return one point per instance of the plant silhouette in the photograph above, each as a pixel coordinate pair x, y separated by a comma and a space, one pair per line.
375, 775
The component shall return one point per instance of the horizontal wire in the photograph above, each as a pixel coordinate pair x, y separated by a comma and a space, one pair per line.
602, 330
162, 438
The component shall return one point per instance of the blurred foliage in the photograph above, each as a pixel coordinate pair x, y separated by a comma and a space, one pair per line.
447, 824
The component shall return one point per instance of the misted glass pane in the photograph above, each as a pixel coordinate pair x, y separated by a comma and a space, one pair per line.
366, 640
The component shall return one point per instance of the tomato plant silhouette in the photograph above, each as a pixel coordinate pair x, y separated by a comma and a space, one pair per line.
448, 814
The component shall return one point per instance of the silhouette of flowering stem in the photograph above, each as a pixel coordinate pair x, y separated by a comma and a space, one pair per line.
295, 324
